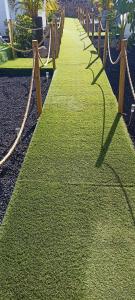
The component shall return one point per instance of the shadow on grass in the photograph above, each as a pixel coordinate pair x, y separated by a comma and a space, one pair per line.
92, 52
92, 62
78, 29
123, 190
84, 37
87, 47
97, 76
82, 33
105, 146
104, 107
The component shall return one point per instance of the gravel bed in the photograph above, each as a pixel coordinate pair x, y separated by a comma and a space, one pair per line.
13, 99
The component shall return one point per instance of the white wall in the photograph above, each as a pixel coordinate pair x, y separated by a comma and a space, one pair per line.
2, 17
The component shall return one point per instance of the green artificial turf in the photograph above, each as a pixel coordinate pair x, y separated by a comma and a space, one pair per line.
20, 63
69, 231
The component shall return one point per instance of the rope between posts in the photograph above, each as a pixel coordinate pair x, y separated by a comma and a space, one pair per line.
42, 47
29, 50
129, 75
28, 28
103, 29
44, 37
48, 57
21, 50
11, 150
109, 52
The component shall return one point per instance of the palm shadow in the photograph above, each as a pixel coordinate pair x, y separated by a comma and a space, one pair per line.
105, 146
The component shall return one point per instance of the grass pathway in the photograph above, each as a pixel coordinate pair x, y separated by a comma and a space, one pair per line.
69, 232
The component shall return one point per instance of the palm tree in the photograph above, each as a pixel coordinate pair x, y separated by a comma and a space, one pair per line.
31, 7
51, 6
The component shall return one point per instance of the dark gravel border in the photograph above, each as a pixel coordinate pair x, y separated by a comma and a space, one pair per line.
14, 89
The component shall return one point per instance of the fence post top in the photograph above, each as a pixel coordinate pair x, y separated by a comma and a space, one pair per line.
35, 43
124, 40
124, 44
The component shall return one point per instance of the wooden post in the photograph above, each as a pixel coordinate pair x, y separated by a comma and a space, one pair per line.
87, 23
85, 16
10, 28
78, 13
60, 31
37, 76
56, 37
62, 23
105, 43
85, 28
122, 76
99, 35
93, 25
53, 44
81, 19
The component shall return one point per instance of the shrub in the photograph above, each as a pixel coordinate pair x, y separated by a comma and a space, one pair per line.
23, 37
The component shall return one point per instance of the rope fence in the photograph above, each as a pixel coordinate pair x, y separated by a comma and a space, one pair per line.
26, 50
49, 51
59, 27
129, 76
27, 28
109, 53
55, 29
13, 147
102, 28
122, 57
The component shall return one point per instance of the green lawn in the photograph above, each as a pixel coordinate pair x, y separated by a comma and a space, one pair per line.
69, 231
20, 63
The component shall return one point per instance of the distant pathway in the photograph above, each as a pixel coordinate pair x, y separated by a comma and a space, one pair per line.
69, 232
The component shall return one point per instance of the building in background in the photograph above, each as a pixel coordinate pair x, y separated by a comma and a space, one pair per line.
12, 12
